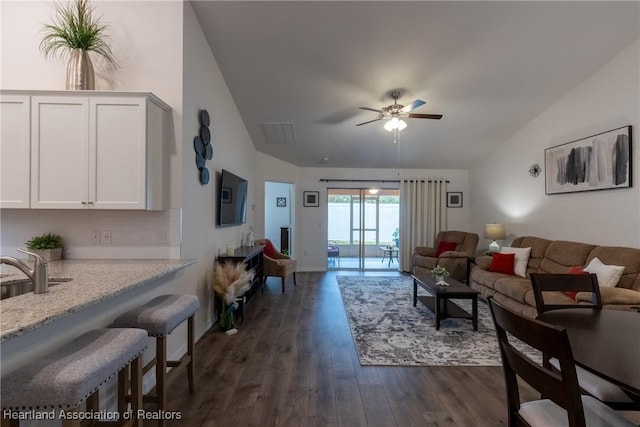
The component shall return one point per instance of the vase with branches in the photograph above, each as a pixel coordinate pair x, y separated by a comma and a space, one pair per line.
230, 282
74, 32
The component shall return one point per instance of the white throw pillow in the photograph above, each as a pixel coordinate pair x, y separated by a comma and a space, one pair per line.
521, 259
608, 275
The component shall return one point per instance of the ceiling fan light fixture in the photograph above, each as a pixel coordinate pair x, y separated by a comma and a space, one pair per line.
395, 123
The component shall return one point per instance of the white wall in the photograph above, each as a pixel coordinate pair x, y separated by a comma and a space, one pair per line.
503, 191
205, 88
149, 52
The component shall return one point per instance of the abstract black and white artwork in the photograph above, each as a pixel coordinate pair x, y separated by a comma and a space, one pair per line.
598, 162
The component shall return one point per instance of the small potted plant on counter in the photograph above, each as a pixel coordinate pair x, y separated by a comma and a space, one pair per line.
48, 246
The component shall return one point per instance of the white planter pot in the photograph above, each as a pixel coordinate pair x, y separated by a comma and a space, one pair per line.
49, 254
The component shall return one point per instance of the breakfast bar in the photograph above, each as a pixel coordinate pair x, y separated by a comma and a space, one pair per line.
91, 282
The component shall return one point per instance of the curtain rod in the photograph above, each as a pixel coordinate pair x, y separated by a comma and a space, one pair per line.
380, 180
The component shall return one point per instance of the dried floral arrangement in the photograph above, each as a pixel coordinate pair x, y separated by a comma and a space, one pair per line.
230, 282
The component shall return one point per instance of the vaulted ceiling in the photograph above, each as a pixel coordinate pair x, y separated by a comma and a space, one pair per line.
488, 67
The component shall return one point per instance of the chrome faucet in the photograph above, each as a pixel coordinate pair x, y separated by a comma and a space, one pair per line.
39, 276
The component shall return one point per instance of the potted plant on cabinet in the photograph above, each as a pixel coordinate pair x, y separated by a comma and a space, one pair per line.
48, 246
74, 33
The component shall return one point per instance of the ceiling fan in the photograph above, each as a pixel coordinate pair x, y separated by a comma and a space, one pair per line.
396, 112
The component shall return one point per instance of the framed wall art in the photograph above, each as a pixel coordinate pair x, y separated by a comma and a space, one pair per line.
311, 199
597, 162
454, 199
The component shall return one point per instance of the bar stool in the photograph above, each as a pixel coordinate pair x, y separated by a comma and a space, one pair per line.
159, 317
72, 375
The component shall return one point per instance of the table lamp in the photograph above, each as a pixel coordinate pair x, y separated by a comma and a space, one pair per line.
494, 232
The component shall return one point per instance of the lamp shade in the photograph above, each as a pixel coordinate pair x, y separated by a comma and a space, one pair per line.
494, 232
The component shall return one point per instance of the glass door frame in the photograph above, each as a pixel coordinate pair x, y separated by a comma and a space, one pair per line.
358, 226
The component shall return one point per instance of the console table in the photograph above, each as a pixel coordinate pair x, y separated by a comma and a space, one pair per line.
252, 257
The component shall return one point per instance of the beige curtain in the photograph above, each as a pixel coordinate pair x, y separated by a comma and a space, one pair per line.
423, 214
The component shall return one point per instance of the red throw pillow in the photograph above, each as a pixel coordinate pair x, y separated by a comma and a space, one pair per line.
503, 263
575, 270
445, 246
270, 250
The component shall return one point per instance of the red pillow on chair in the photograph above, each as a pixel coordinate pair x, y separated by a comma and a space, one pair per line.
270, 250
575, 270
445, 246
503, 263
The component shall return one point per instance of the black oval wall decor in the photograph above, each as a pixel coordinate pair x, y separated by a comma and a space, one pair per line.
204, 118
204, 176
203, 147
198, 145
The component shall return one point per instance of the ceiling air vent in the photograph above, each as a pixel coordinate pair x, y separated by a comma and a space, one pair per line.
278, 133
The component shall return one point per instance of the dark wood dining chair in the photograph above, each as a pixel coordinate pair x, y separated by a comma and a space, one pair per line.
550, 286
565, 283
564, 405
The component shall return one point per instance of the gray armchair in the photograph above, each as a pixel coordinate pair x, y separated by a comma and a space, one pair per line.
459, 246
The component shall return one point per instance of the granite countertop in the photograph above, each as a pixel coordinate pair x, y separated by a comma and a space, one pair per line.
92, 281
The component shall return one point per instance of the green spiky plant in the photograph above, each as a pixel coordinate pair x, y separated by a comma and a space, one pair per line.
75, 27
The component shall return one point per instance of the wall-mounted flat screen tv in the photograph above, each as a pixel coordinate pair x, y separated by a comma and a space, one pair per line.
232, 200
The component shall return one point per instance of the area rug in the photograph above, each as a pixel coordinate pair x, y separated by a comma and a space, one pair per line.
388, 330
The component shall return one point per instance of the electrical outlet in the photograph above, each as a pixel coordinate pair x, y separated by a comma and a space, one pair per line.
95, 237
106, 237
163, 237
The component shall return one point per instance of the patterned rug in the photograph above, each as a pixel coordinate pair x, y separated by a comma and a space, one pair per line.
388, 330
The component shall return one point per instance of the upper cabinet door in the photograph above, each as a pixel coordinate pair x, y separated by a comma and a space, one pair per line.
117, 149
14, 151
59, 152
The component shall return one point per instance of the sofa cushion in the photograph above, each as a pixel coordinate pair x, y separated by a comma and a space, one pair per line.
445, 246
559, 298
608, 275
613, 296
425, 251
538, 248
629, 257
521, 259
513, 286
485, 277
424, 261
269, 249
502, 263
562, 255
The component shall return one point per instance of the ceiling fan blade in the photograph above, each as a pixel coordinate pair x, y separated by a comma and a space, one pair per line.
415, 104
370, 121
425, 116
371, 109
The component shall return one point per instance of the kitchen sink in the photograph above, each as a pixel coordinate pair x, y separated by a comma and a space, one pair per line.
17, 287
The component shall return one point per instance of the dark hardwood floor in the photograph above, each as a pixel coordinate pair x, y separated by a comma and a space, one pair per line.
293, 363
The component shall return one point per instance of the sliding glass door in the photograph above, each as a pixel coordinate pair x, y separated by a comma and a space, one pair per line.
362, 226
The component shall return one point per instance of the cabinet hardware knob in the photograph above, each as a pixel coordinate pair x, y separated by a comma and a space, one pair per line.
90, 202
83, 202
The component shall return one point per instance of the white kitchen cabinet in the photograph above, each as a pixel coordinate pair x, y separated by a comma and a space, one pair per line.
14, 151
98, 151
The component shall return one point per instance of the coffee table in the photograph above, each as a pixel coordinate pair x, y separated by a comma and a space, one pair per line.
440, 302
